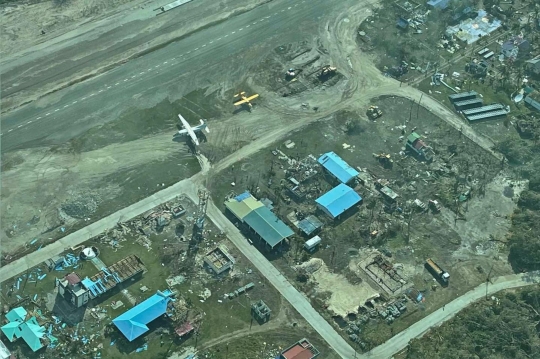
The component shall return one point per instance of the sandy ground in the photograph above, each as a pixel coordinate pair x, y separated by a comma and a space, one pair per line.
22, 23
45, 180
345, 297
28, 186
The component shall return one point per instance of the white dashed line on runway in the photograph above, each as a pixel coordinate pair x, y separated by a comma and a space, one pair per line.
170, 60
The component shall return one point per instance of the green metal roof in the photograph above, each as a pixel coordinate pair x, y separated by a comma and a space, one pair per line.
267, 225
413, 137
242, 208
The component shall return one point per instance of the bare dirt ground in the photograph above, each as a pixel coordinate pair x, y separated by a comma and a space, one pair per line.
37, 191
22, 22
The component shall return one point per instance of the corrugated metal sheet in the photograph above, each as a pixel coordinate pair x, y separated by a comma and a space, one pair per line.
462, 96
267, 225
485, 116
338, 200
478, 110
337, 167
310, 224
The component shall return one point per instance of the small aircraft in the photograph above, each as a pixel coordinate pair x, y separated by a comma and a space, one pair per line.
245, 100
188, 130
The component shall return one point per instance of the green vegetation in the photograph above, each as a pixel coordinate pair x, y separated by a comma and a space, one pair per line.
500, 328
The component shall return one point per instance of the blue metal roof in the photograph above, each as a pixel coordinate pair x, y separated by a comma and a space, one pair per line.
339, 199
267, 225
133, 322
336, 166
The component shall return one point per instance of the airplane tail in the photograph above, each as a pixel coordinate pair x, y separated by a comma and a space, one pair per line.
206, 127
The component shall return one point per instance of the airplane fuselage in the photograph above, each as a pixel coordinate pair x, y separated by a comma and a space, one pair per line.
198, 128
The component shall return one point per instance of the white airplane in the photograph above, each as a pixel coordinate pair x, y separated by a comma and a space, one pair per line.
188, 130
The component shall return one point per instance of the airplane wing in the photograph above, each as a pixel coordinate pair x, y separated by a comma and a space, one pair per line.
237, 103
189, 130
252, 97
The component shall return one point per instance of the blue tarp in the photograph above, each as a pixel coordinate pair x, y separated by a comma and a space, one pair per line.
338, 200
337, 167
133, 322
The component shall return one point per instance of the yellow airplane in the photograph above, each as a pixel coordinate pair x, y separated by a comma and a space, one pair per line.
244, 99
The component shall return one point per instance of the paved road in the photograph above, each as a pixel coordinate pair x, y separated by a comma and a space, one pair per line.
210, 56
101, 42
401, 340
291, 294
74, 239
297, 300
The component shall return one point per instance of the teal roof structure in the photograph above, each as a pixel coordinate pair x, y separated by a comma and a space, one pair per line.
133, 322
268, 226
16, 315
10, 330
31, 332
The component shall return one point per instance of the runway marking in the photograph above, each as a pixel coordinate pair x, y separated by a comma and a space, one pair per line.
174, 58
19, 126
10, 130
